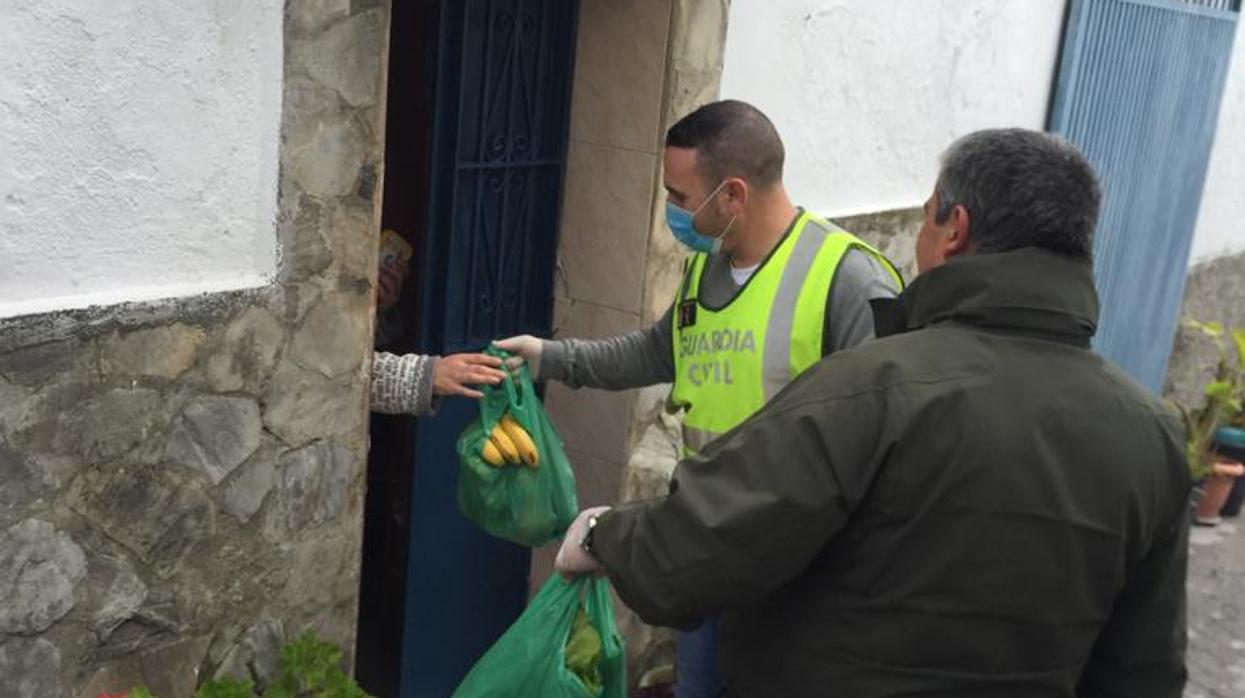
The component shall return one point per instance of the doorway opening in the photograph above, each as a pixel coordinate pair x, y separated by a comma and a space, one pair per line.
387, 508
476, 134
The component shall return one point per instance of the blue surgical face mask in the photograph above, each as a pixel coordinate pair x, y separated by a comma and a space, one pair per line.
682, 223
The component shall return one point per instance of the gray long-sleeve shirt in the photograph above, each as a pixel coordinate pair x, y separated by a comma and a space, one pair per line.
646, 357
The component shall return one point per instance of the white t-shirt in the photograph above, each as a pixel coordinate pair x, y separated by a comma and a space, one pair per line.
742, 274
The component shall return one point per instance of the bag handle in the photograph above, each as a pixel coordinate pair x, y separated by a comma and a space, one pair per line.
519, 390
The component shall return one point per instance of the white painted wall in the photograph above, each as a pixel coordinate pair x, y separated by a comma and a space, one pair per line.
138, 149
1221, 220
867, 93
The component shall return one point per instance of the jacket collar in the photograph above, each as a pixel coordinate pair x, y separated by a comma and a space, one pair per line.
1028, 291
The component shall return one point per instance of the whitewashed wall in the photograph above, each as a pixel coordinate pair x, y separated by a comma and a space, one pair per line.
138, 149
866, 94
1221, 220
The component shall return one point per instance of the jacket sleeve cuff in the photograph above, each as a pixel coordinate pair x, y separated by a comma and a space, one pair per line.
645, 595
553, 361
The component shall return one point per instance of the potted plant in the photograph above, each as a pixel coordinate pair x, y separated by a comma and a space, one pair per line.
1230, 442
1213, 458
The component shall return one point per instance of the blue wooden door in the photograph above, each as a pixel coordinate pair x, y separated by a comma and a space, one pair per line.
503, 93
1138, 91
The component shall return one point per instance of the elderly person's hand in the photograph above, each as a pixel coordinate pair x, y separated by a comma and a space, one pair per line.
455, 373
389, 284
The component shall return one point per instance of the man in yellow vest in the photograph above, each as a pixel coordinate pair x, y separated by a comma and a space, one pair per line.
768, 291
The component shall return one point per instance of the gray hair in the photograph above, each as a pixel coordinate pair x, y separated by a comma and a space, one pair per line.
1021, 188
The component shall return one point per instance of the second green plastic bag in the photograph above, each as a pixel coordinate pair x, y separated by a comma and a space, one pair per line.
526, 505
568, 624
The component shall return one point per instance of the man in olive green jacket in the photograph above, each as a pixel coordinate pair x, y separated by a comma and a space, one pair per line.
978, 506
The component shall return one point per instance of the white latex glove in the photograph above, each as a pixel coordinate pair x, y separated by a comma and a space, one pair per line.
525, 348
572, 560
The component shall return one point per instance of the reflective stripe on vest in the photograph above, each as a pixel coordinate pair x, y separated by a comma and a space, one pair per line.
732, 360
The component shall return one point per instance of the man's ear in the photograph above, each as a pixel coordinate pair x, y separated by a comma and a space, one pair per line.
957, 240
737, 194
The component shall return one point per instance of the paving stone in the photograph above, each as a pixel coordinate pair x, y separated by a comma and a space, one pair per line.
1216, 587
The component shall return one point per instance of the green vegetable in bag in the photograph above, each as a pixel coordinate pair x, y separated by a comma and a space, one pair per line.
514, 479
584, 651
565, 645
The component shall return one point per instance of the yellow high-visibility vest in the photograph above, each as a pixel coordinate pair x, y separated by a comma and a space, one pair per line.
731, 360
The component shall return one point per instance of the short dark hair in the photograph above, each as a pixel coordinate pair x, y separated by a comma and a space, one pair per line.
1022, 188
731, 139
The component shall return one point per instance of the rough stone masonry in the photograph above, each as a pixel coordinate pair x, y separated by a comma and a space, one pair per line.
181, 482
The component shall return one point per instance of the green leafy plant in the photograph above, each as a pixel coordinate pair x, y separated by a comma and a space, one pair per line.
1222, 402
310, 668
226, 688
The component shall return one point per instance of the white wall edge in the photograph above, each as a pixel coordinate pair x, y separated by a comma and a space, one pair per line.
128, 295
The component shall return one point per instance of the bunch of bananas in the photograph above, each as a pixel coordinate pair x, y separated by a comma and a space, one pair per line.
509, 444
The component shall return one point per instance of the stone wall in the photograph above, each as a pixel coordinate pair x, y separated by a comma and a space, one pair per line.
1214, 292
181, 482
891, 232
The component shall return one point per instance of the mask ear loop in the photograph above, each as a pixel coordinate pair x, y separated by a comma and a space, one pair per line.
705, 203
720, 238
730, 224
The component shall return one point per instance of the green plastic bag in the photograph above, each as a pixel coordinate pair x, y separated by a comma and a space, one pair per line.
530, 660
521, 504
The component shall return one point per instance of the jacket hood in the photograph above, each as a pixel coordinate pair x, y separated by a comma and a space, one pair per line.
1030, 291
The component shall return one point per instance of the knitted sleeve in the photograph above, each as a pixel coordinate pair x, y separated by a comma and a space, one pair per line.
403, 384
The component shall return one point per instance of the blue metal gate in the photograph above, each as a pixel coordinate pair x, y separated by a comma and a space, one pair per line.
502, 116
1139, 88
